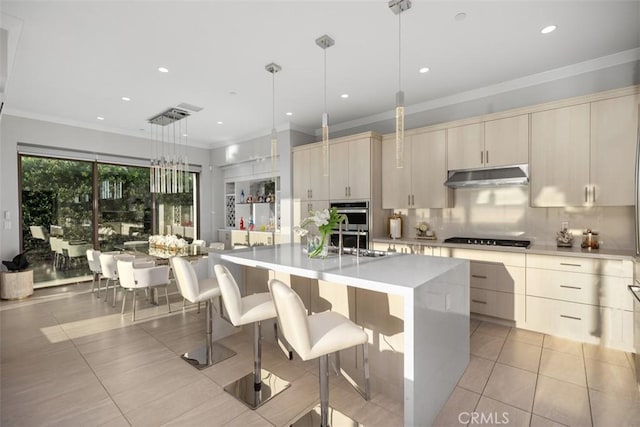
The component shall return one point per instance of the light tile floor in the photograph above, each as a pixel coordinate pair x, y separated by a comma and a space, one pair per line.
68, 359
522, 378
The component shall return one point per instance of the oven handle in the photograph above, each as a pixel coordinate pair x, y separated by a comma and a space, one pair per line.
348, 211
350, 233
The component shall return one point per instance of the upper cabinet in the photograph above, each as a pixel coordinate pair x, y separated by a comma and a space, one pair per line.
420, 183
559, 165
492, 143
309, 182
350, 169
614, 127
584, 155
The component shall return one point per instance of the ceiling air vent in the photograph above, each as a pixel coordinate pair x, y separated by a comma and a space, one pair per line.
168, 117
190, 107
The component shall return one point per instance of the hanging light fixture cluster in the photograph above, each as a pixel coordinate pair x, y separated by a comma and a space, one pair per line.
273, 68
397, 7
169, 171
325, 42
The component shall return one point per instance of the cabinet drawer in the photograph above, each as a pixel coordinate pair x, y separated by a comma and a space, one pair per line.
610, 267
506, 258
566, 319
581, 322
605, 291
497, 277
504, 305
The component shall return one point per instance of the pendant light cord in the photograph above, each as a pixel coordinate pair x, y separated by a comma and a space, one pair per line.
325, 80
400, 51
273, 99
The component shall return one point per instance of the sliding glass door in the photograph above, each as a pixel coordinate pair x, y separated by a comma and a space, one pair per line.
69, 206
57, 221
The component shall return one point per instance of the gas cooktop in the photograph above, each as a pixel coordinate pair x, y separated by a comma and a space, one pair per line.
489, 242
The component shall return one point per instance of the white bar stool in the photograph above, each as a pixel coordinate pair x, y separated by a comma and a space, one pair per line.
194, 291
257, 387
317, 336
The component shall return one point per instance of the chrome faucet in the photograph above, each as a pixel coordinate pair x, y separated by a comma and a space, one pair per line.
340, 244
359, 230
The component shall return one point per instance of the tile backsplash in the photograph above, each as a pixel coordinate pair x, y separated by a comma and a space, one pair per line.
505, 211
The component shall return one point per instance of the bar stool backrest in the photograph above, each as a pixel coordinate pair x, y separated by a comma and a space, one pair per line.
293, 317
186, 278
230, 293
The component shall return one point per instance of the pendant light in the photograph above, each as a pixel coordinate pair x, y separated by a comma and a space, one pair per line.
273, 68
169, 168
397, 7
325, 42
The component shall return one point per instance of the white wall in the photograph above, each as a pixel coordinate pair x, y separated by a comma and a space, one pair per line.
14, 130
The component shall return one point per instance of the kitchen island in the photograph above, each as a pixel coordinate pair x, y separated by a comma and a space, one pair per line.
434, 349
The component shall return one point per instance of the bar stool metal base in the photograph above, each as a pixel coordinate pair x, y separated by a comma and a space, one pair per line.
206, 356
336, 419
243, 389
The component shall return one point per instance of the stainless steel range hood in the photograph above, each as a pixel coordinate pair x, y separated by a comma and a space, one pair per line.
507, 175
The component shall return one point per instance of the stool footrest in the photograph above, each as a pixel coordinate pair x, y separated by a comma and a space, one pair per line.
244, 389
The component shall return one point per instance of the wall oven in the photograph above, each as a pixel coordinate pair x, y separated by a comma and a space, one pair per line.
357, 224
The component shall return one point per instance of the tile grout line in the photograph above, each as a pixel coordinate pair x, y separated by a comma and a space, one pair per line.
535, 388
586, 381
92, 370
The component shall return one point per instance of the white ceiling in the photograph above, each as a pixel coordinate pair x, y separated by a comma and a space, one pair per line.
75, 60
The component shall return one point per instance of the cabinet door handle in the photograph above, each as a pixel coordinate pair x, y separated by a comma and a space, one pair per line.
593, 194
478, 301
486, 157
413, 202
570, 287
349, 191
409, 199
570, 265
570, 317
477, 276
481, 157
586, 192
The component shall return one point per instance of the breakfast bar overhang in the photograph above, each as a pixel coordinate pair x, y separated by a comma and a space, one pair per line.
435, 295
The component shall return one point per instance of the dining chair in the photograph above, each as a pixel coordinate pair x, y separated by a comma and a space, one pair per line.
143, 275
202, 243
195, 290
317, 336
109, 267
93, 258
261, 385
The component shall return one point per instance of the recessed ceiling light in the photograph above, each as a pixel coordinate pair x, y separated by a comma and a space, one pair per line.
344, 95
220, 123
100, 118
233, 92
163, 69
460, 16
424, 70
126, 98
548, 29
185, 134
289, 113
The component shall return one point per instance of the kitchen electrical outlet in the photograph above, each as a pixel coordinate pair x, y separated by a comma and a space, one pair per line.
564, 225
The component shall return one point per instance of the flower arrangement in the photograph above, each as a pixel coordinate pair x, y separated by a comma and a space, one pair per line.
324, 221
170, 243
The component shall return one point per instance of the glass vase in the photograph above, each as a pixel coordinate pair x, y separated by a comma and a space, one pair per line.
317, 245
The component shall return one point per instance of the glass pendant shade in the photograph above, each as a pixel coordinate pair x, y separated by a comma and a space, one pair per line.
400, 129
325, 144
274, 151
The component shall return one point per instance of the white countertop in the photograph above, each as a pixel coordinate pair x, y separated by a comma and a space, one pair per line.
395, 273
576, 250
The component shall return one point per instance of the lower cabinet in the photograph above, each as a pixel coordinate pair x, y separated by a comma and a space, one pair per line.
583, 299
